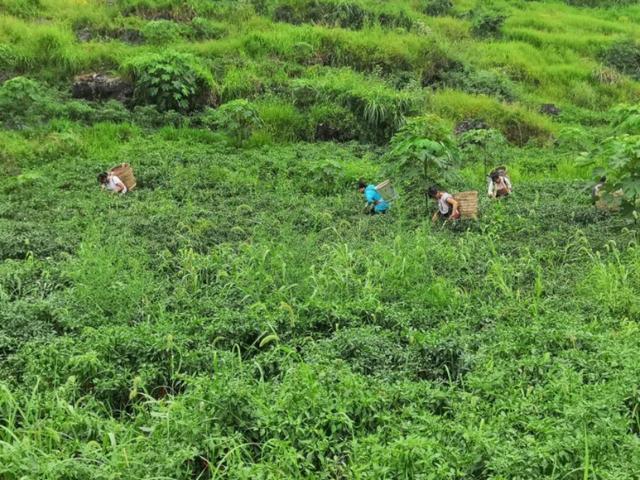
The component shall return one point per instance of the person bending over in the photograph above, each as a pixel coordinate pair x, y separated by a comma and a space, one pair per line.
375, 202
111, 182
499, 184
447, 205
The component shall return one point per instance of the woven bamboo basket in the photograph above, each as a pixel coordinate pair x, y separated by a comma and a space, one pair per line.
125, 173
386, 190
467, 204
613, 204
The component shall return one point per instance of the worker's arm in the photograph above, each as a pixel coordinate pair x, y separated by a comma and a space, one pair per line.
454, 204
120, 187
491, 192
369, 197
508, 184
435, 217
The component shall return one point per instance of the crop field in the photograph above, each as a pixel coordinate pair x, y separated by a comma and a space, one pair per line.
237, 316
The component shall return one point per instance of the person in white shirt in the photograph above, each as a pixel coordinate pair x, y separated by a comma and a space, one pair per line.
596, 191
111, 182
499, 184
447, 205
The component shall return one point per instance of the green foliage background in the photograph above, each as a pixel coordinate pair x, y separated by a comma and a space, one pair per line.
237, 317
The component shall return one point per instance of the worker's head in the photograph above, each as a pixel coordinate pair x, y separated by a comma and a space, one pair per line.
361, 185
103, 177
434, 192
602, 179
495, 176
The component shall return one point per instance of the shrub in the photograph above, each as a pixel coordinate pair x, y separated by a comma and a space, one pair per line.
626, 119
204, 29
282, 120
481, 82
171, 81
332, 122
487, 24
239, 118
422, 151
24, 101
161, 32
112, 111
624, 56
440, 66
151, 117
437, 7
621, 157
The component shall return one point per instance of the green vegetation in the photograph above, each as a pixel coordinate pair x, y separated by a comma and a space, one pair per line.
236, 316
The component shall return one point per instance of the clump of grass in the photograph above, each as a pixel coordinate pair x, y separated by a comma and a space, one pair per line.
517, 124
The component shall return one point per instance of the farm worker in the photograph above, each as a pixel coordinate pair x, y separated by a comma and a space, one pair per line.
111, 182
499, 183
375, 202
447, 205
596, 190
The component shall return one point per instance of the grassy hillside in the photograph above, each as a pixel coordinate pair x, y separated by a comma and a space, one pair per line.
236, 316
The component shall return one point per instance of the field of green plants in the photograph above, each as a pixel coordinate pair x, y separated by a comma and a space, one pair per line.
237, 316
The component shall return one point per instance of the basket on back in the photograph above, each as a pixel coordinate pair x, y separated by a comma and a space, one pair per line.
386, 190
125, 173
612, 203
467, 204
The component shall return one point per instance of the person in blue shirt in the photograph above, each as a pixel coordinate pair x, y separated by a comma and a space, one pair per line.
375, 202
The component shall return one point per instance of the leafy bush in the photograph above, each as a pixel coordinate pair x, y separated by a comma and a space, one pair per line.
204, 29
620, 156
422, 152
331, 122
437, 7
487, 23
484, 82
24, 101
171, 81
149, 116
239, 118
440, 67
161, 32
624, 56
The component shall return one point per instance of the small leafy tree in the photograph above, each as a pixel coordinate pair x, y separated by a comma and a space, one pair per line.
171, 81
618, 158
422, 152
